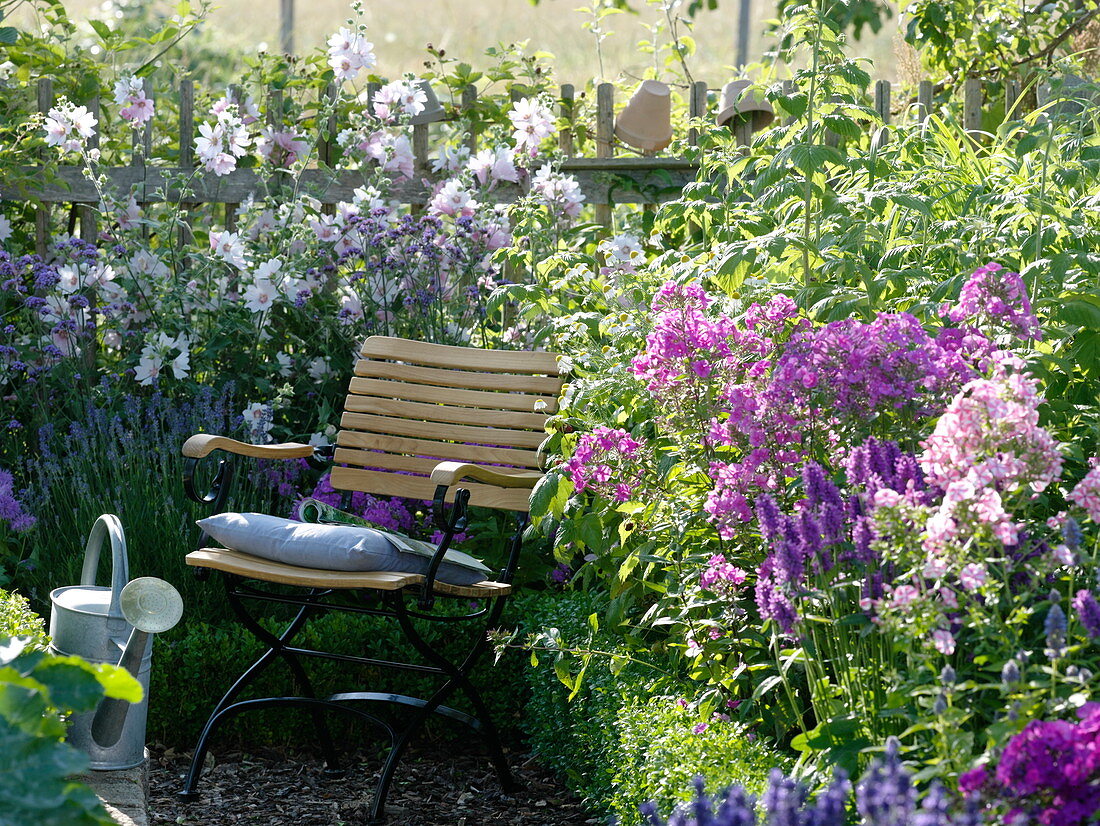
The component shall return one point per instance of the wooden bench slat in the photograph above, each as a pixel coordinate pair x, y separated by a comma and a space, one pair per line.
521, 402
375, 460
381, 483
445, 413
457, 378
460, 358
489, 436
444, 450
255, 567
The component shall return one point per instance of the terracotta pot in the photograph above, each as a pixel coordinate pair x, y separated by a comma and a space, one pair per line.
736, 104
646, 121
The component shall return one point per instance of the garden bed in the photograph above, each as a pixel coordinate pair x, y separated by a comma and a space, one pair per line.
435, 787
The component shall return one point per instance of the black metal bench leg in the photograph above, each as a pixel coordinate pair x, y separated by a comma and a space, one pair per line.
275, 645
457, 679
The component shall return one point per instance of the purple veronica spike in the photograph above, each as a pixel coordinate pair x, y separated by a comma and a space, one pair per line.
885, 795
1088, 611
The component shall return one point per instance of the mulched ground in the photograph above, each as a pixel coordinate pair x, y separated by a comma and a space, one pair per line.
435, 786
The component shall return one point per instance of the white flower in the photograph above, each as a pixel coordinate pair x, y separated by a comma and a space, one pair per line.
453, 199
181, 364
490, 166
260, 295
349, 53
318, 368
451, 159
6, 68
209, 143
258, 420
560, 192
324, 227
147, 263
267, 269
229, 247
532, 122
284, 362
5, 228
70, 280
149, 367
622, 251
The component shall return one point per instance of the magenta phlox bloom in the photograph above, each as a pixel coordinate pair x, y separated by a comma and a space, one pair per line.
988, 444
606, 461
1086, 494
993, 297
1050, 771
721, 576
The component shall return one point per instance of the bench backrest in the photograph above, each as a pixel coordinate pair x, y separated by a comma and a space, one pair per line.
413, 404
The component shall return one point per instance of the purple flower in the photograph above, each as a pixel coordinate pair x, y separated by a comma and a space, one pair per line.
885, 795
1088, 612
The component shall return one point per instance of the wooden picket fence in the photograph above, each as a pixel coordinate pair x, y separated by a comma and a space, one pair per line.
605, 179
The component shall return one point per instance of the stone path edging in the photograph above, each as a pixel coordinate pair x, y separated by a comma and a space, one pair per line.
125, 794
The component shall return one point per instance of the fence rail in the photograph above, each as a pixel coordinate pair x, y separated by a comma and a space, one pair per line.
605, 179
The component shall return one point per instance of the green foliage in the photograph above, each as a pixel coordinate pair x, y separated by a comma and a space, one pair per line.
36, 690
207, 657
629, 735
18, 620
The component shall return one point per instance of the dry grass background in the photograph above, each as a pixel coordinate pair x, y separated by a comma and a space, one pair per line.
465, 28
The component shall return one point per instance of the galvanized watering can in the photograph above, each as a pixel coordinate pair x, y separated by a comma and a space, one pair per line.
112, 625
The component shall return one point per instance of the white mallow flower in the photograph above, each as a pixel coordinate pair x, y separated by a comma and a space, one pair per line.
5, 228
351, 308
490, 166
228, 247
126, 86
130, 216
69, 280
146, 263
149, 367
6, 68
284, 362
325, 228
453, 199
260, 296
258, 420
266, 271
181, 365
451, 159
319, 368
112, 340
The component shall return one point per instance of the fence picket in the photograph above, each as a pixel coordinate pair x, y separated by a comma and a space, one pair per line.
42, 213
605, 132
632, 176
565, 136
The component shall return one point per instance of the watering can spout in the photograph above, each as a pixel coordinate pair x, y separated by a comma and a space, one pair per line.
151, 606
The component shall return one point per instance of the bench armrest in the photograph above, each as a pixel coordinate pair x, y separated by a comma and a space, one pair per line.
450, 473
203, 444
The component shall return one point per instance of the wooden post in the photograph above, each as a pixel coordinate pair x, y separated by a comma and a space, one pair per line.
697, 109
605, 129
972, 106
565, 136
742, 129
882, 100
1012, 96
231, 208
924, 100
469, 101
186, 159
420, 148
87, 212
286, 26
42, 213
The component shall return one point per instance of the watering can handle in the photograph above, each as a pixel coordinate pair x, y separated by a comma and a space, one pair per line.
107, 525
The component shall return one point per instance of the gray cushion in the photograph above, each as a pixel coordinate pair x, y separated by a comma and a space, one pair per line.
335, 547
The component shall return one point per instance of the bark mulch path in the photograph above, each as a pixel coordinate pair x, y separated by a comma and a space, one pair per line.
435, 786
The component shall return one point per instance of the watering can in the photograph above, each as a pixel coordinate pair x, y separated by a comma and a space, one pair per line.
112, 624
